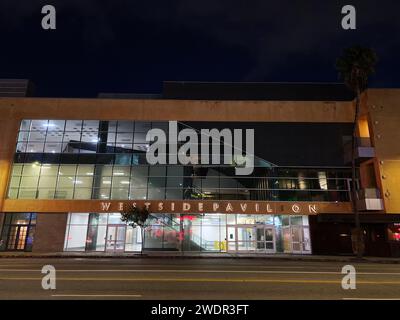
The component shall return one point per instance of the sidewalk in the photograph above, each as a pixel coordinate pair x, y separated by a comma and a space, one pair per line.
187, 255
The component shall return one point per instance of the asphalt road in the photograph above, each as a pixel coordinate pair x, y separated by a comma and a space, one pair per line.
195, 279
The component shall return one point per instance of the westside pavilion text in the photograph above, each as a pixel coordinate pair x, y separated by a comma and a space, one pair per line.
215, 207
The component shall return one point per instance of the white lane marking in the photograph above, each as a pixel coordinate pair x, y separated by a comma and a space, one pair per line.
172, 265
13, 265
200, 271
98, 295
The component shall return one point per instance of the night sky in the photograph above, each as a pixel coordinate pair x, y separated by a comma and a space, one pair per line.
132, 46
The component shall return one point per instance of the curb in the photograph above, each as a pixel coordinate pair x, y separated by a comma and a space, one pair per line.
151, 256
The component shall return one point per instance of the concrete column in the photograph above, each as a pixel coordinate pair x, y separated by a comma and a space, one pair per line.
9, 132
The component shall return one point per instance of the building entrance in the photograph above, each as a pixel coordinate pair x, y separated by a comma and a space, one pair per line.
17, 237
115, 238
18, 232
251, 238
297, 239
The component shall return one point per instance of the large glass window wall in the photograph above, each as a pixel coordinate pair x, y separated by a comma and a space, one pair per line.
91, 159
96, 181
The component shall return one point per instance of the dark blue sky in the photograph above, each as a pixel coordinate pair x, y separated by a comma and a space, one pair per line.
132, 46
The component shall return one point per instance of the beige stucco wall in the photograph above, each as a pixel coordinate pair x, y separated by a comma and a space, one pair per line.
384, 109
188, 110
8, 137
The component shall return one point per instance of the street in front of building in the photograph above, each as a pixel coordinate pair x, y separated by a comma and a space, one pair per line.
209, 279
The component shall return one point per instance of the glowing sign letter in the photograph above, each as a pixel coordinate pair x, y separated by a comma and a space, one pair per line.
105, 206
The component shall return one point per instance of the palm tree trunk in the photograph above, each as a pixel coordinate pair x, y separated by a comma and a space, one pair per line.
142, 234
354, 195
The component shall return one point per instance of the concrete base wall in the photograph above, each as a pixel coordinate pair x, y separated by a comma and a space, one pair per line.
50, 232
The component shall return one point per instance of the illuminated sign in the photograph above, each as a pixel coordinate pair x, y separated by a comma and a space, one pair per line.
251, 207
185, 207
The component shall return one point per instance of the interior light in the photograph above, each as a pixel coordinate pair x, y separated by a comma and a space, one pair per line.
323, 181
36, 163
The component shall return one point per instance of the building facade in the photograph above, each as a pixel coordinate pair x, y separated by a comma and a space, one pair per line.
68, 167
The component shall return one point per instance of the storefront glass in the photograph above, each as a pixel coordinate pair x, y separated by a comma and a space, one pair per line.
233, 233
100, 232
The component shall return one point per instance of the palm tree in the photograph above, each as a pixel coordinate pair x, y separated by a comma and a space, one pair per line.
355, 66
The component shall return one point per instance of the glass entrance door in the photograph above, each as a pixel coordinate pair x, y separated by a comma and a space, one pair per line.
18, 231
246, 238
115, 240
251, 238
266, 239
17, 237
296, 239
